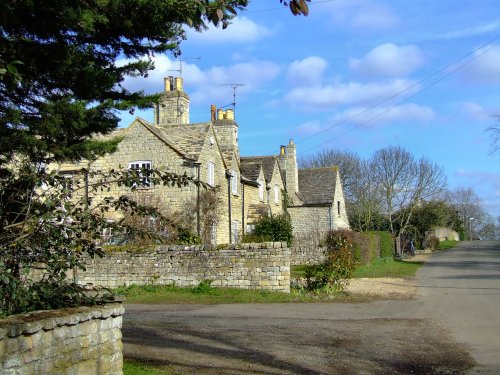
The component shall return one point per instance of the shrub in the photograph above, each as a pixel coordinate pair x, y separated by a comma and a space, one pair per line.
432, 242
338, 267
272, 228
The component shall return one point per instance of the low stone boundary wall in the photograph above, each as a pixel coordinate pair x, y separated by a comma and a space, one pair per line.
80, 341
248, 266
306, 254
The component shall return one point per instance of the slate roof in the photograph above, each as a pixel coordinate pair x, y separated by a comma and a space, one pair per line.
188, 139
317, 185
266, 162
250, 169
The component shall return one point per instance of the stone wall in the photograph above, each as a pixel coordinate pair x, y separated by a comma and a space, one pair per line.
79, 341
246, 266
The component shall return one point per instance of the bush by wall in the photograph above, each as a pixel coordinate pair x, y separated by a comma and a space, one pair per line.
335, 272
274, 228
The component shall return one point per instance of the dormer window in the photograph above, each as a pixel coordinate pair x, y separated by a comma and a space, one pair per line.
142, 169
276, 194
261, 189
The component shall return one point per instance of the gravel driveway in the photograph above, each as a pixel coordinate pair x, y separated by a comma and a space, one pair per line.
381, 337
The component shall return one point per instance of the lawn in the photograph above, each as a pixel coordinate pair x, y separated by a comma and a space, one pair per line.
134, 367
206, 294
387, 268
384, 267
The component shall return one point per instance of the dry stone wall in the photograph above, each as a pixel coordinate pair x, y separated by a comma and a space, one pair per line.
247, 266
79, 341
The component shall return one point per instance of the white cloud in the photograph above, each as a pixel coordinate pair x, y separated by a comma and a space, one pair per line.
204, 86
471, 31
379, 115
241, 30
308, 128
307, 71
388, 60
484, 68
365, 15
317, 97
478, 112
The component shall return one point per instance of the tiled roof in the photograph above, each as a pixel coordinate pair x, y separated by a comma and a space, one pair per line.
188, 139
267, 162
317, 185
250, 169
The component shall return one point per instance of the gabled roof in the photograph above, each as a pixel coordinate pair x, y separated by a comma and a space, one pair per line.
317, 185
188, 139
250, 169
267, 163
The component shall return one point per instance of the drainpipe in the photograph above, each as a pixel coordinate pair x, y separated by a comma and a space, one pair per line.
228, 175
330, 220
198, 214
243, 208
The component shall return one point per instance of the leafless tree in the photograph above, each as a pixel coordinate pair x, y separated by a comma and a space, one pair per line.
469, 207
495, 138
404, 183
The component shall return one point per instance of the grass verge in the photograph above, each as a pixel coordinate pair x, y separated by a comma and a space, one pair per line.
209, 295
135, 367
387, 267
447, 244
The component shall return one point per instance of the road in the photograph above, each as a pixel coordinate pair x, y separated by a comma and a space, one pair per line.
456, 313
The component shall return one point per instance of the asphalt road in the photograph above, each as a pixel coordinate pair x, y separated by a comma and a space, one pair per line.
457, 312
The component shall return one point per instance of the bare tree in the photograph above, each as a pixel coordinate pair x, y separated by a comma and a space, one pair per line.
366, 200
495, 138
404, 183
469, 207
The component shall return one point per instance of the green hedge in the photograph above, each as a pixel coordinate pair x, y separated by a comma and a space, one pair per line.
366, 247
386, 244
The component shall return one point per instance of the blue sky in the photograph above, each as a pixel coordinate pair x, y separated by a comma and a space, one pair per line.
356, 75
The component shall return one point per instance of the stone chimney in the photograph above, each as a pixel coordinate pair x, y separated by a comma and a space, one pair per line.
287, 160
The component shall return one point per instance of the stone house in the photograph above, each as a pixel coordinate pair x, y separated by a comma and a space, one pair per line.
248, 187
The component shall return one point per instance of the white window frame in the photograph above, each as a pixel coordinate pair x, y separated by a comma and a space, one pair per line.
276, 194
261, 189
234, 182
211, 173
140, 165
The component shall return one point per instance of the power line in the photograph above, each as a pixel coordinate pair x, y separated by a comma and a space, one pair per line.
484, 48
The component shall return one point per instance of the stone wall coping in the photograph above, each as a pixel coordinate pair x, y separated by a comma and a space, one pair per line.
193, 248
30, 323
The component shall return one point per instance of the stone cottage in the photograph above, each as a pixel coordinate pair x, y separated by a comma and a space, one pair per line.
248, 188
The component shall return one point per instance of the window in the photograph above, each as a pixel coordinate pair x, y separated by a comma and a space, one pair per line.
276, 194
261, 190
211, 174
234, 182
338, 208
143, 170
234, 230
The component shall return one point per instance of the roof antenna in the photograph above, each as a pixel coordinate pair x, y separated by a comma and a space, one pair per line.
180, 64
234, 86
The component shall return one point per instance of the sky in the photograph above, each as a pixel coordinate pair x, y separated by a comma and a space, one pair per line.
355, 75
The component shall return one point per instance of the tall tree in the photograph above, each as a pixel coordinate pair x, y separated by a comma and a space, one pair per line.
404, 183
